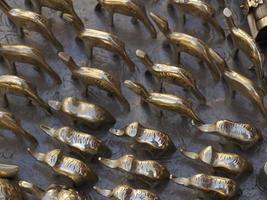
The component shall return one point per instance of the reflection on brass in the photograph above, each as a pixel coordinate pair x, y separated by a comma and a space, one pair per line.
219, 186
8, 170
130, 8
228, 162
18, 86
8, 121
32, 21
247, 87
247, 44
84, 142
95, 77
165, 101
242, 134
73, 168
154, 140
148, 171
198, 8
94, 38
82, 111
256, 12
181, 42
125, 192
176, 75
262, 178
53, 192
12, 53
10, 191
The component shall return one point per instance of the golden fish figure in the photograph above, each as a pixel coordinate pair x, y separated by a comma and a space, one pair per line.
199, 9
10, 190
148, 171
76, 170
228, 162
12, 53
83, 111
94, 38
18, 86
245, 135
154, 140
247, 87
8, 170
9, 121
173, 74
53, 192
31, 21
95, 77
247, 44
81, 141
181, 42
165, 101
125, 192
221, 187
130, 8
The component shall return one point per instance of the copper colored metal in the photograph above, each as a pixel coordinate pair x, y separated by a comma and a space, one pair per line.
8, 170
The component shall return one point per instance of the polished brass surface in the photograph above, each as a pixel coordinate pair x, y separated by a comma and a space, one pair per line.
18, 86
95, 77
243, 41
10, 190
81, 141
165, 101
173, 74
12, 53
8, 121
53, 192
130, 8
219, 186
125, 192
32, 21
95, 38
8, 170
82, 111
75, 169
244, 135
198, 8
229, 162
149, 171
181, 42
155, 141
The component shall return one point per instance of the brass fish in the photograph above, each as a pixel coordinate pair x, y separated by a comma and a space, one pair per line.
198, 8
53, 192
12, 53
131, 8
229, 162
245, 135
148, 171
165, 101
9, 121
81, 141
125, 192
154, 140
32, 21
243, 41
76, 170
173, 74
181, 42
95, 38
10, 190
95, 77
18, 86
88, 113
221, 187
8, 170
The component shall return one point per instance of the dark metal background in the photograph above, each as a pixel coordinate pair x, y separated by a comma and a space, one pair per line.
13, 149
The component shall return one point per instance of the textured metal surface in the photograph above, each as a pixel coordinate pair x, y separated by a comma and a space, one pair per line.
183, 135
